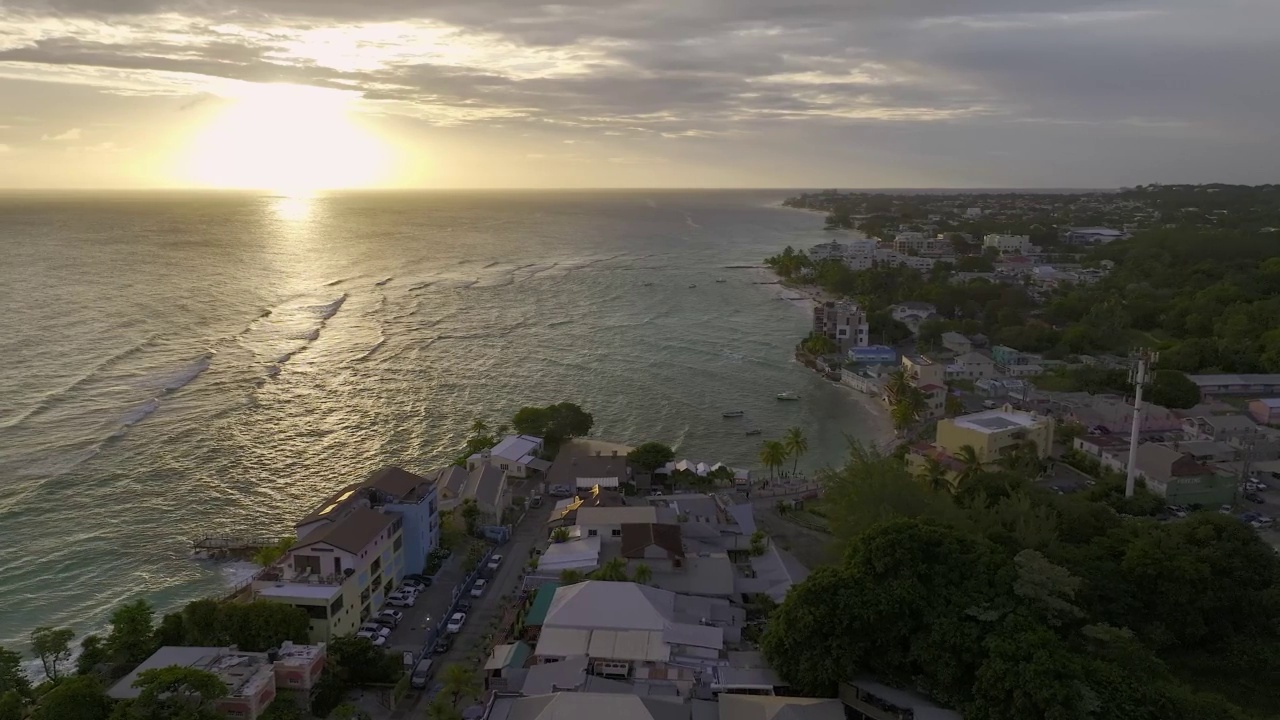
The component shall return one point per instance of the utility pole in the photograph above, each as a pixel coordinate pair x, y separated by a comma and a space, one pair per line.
1141, 373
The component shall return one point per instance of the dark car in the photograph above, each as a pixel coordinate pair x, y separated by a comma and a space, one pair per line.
1254, 498
464, 606
443, 645
424, 579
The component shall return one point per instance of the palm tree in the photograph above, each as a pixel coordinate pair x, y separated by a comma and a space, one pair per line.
459, 683
934, 475
571, 577
440, 709
973, 464
560, 534
796, 444
614, 570
898, 383
642, 574
907, 408
772, 455
1022, 458
479, 428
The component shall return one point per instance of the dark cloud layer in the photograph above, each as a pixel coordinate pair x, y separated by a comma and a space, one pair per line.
928, 77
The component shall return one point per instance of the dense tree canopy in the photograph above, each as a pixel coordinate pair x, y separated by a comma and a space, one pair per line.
1006, 601
554, 423
650, 456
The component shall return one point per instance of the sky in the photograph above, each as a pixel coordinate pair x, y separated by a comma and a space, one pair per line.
310, 94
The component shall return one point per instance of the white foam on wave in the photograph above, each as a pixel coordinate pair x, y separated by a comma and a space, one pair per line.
327, 311
191, 373
384, 281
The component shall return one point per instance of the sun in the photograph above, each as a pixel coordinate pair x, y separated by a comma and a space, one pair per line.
290, 139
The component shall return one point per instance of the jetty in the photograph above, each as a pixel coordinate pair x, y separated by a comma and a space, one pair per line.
221, 547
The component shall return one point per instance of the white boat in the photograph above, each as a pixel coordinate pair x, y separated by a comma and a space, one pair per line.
788, 396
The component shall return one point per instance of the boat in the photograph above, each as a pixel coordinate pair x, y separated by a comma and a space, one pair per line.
754, 431
693, 286
648, 284
788, 396
732, 413
720, 281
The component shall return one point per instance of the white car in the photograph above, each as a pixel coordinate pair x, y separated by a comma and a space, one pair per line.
413, 585
478, 589
494, 562
394, 617
403, 601
456, 622
377, 640
375, 629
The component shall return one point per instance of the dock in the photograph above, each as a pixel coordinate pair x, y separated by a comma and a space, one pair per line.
232, 546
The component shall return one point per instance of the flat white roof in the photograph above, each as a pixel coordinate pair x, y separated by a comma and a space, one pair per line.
299, 590
993, 421
516, 448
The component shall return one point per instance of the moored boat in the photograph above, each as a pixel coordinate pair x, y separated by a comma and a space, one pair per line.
732, 413
788, 396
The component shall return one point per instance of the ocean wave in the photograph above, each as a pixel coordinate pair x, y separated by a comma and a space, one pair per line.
384, 281
274, 370
328, 310
422, 285
339, 281
309, 336
140, 413
369, 353
486, 267
191, 373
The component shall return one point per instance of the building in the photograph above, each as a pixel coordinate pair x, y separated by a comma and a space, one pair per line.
1265, 411
1181, 479
583, 472
971, 365
1110, 413
1009, 244
589, 706
931, 379
828, 251
1212, 385
348, 555
657, 545
1093, 235
771, 707
516, 455
956, 343
1219, 427
606, 522
914, 243
867, 699
973, 213
416, 499
843, 322
486, 484
873, 354
251, 679
912, 313
993, 433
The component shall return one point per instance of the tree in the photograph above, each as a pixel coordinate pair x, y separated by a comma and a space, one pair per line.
907, 408
953, 405
934, 475
93, 653
772, 455
11, 706
796, 444
554, 423
479, 427
1023, 458
643, 574
571, 577
178, 691
758, 539
898, 383
1173, 389
440, 709
12, 677
560, 534
74, 698
359, 662
972, 464
614, 570
471, 515
52, 646
261, 625
271, 553
132, 637
348, 711
459, 683
650, 456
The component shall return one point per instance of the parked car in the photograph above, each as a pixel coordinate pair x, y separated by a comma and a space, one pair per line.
384, 622
560, 491
456, 621
421, 674
413, 585
535, 501
443, 644
394, 617
477, 589
1251, 497
464, 606
1176, 511
419, 578
375, 628
403, 601
494, 563
1225, 509
377, 640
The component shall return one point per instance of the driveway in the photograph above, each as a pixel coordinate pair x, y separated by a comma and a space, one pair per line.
487, 609
431, 606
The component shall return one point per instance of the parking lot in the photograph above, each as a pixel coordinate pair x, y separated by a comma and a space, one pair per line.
431, 606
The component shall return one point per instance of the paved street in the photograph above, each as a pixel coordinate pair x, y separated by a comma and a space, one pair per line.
488, 608
431, 606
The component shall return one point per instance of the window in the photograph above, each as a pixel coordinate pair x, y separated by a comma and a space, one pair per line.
399, 523
592, 533
617, 532
335, 607
294, 680
399, 543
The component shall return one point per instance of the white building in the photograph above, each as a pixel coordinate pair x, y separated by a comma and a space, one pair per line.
516, 455
843, 322
1093, 235
1009, 244
973, 213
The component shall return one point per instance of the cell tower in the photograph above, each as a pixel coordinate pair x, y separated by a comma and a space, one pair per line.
1144, 359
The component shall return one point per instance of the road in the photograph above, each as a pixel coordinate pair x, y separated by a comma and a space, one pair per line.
474, 640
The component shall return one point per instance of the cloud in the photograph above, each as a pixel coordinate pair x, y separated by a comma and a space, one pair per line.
5, 148
934, 82
67, 136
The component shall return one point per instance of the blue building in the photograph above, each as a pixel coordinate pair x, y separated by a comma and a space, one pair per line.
417, 501
874, 354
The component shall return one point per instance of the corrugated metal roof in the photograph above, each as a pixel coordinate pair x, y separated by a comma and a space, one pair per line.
541, 603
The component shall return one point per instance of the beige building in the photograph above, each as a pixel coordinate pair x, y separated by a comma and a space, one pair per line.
992, 433
931, 378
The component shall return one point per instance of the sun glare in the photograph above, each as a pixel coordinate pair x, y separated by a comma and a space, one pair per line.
289, 139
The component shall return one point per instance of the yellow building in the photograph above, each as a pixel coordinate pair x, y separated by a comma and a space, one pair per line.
993, 433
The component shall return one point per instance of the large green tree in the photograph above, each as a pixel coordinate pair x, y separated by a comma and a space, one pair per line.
132, 636
12, 677
796, 444
772, 455
554, 423
52, 647
650, 456
74, 698
178, 692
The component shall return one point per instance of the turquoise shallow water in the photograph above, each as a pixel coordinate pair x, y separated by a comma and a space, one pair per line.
172, 365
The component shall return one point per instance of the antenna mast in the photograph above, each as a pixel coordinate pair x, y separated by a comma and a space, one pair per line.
1144, 359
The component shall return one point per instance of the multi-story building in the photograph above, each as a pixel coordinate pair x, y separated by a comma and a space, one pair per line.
1180, 478
251, 678
971, 366
993, 433
1009, 244
843, 322
931, 379
349, 554
873, 354
417, 500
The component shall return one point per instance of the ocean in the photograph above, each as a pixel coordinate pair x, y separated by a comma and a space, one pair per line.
173, 365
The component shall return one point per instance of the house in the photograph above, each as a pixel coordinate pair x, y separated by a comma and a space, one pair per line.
516, 455
589, 706
1213, 385
251, 679
581, 553
1111, 451
503, 659
1112, 414
581, 472
957, 343
993, 433
867, 699
1005, 357
844, 323
971, 365
776, 572
486, 484
1093, 235
1180, 478
1009, 244
628, 630
416, 499
873, 354
868, 379
930, 378
912, 313
1265, 411
658, 545
347, 556
1220, 427
606, 522
770, 707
